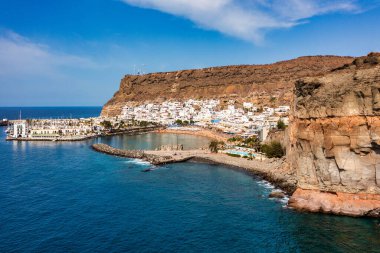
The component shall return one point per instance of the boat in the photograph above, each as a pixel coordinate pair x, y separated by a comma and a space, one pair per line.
4, 122
148, 169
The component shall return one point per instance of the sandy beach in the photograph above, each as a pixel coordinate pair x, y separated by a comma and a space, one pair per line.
201, 132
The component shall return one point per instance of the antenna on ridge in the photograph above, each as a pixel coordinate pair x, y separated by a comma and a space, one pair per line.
142, 68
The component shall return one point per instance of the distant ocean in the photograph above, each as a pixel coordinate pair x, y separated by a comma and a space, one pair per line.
49, 112
65, 197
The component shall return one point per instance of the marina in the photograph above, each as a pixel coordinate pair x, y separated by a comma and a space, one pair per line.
68, 129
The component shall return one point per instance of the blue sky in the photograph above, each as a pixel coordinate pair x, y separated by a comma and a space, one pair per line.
75, 52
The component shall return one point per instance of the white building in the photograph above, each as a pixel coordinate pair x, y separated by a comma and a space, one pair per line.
20, 129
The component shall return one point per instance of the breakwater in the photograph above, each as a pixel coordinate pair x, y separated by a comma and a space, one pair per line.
139, 154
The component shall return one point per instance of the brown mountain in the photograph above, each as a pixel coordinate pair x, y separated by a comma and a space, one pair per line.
270, 84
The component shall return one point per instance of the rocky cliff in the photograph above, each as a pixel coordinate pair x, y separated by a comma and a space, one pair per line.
335, 140
262, 84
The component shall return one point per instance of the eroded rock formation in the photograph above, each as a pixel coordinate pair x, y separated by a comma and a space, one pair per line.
335, 140
256, 83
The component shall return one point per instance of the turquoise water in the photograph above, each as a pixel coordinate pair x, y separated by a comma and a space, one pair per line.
64, 197
151, 141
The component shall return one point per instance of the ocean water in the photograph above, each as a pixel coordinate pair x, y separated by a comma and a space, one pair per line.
49, 112
64, 197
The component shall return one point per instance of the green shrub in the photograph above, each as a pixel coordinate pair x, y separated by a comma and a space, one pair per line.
273, 149
281, 125
215, 145
144, 123
233, 139
106, 124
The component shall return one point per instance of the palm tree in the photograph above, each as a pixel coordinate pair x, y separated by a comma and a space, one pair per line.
214, 146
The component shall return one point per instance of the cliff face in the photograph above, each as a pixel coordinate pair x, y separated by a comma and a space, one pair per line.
256, 83
335, 140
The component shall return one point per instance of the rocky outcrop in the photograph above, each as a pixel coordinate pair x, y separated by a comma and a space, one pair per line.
341, 203
335, 140
277, 194
262, 84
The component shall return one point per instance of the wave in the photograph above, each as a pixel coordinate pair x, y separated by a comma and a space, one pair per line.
269, 186
266, 184
137, 161
285, 201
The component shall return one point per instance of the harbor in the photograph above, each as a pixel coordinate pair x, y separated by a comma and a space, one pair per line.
71, 129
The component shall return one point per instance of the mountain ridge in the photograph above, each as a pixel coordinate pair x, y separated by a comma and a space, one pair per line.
255, 83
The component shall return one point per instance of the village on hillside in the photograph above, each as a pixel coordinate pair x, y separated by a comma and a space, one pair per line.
246, 120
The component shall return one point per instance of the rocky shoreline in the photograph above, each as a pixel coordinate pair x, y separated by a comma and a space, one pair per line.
274, 171
339, 203
271, 170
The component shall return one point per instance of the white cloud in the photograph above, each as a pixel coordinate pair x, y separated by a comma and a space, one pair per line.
20, 56
247, 19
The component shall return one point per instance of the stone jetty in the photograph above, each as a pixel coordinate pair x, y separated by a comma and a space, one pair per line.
139, 154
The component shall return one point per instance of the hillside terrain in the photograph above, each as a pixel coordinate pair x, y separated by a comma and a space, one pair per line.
270, 84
